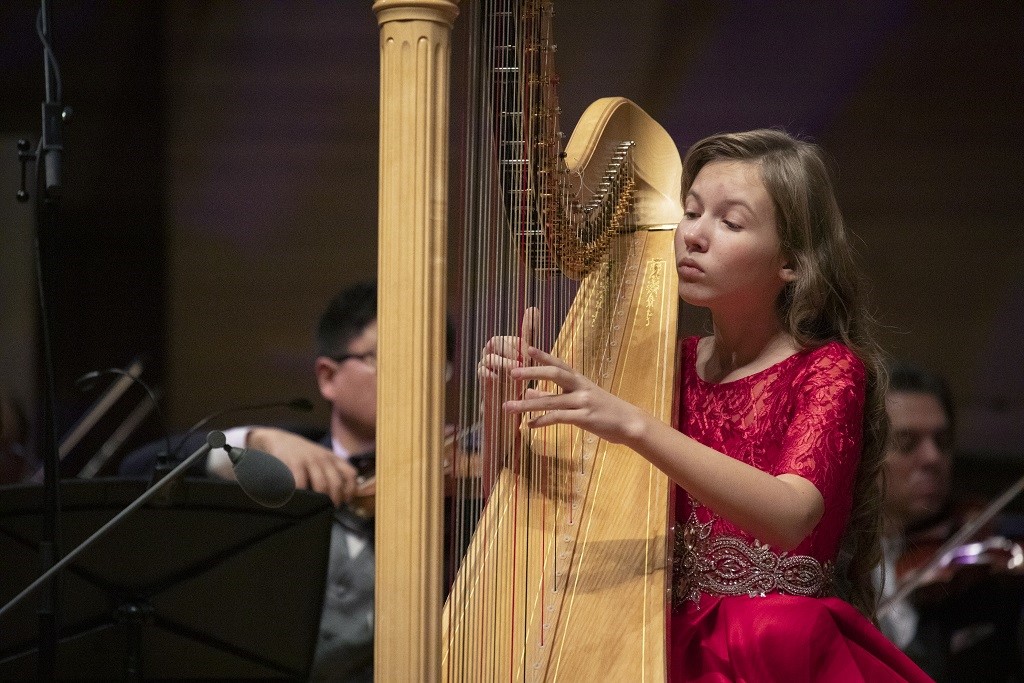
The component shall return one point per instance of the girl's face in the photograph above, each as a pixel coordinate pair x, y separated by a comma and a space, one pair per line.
727, 245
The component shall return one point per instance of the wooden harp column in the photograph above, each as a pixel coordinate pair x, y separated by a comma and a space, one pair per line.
412, 265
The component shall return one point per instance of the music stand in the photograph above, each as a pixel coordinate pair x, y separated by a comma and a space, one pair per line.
209, 585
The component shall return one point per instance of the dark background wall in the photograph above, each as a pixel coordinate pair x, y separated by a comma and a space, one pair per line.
221, 173
105, 256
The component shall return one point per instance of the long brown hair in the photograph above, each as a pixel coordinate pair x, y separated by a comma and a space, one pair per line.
824, 303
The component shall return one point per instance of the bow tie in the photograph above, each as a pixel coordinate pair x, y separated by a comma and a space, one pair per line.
365, 463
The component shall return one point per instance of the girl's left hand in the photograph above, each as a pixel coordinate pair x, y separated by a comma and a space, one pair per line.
581, 403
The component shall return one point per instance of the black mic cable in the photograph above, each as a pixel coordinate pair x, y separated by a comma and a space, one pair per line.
260, 475
264, 478
300, 404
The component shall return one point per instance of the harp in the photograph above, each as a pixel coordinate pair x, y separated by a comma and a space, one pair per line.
565, 575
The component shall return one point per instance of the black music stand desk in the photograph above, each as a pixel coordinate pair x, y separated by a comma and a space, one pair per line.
207, 584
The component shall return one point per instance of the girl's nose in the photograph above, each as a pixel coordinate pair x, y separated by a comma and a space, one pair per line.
694, 236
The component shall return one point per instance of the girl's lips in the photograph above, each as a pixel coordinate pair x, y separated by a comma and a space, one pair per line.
688, 262
688, 269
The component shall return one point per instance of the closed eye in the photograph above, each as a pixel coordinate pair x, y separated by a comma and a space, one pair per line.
691, 215
735, 227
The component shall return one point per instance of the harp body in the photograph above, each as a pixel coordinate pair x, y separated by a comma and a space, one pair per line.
565, 577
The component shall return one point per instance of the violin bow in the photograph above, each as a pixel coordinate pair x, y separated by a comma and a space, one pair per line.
917, 577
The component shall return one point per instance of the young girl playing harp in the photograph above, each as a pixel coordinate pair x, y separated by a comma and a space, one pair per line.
780, 427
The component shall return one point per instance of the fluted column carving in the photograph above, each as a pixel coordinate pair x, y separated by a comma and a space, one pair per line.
412, 263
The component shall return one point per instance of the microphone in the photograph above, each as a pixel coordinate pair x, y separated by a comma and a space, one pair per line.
51, 148
264, 478
51, 145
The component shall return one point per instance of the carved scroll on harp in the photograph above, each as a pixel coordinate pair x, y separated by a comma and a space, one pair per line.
565, 576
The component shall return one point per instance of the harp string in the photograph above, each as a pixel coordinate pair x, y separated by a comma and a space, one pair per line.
522, 224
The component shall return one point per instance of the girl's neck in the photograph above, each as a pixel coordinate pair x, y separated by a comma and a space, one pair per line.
746, 344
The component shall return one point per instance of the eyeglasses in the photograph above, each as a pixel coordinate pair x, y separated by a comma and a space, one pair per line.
370, 358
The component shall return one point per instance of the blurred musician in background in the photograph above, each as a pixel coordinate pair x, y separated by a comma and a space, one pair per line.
964, 623
346, 376
342, 466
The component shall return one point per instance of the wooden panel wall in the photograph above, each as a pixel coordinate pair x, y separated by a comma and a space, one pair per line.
242, 144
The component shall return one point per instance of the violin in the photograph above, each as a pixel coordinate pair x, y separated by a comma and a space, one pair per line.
364, 502
461, 468
958, 568
934, 571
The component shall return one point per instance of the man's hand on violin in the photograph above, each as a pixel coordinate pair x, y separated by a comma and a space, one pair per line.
313, 466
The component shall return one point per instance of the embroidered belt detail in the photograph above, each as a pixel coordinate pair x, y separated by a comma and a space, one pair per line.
730, 565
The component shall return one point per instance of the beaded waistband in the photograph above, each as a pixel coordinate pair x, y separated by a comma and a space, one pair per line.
730, 565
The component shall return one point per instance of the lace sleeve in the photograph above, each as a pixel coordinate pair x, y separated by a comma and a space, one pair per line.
823, 441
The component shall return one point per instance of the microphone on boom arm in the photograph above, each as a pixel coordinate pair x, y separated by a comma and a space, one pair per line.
263, 477
299, 404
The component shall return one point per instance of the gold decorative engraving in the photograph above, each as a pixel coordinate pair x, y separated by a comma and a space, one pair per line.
652, 289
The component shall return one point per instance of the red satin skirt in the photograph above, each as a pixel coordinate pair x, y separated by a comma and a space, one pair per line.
781, 638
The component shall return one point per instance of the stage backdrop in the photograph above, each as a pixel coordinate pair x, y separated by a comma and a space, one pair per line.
261, 120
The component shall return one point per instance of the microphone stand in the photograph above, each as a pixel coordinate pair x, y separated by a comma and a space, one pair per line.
214, 439
48, 190
165, 459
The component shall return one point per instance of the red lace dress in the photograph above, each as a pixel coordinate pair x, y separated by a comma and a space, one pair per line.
744, 612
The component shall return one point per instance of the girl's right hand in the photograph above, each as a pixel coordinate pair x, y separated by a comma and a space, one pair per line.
502, 353
497, 358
